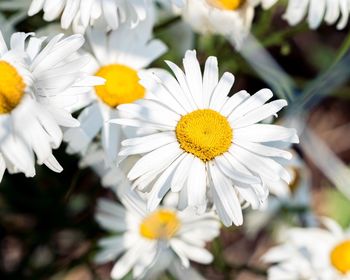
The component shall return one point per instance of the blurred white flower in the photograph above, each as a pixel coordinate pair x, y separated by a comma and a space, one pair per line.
37, 86
149, 242
311, 253
80, 14
230, 18
116, 56
205, 145
331, 11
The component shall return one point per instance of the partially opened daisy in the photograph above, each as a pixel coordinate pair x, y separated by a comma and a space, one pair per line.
311, 253
143, 241
332, 12
230, 18
38, 84
117, 57
206, 145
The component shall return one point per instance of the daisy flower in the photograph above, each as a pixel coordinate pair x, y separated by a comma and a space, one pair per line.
117, 57
80, 14
230, 18
142, 241
335, 11
37, 85
205, 145
311, 253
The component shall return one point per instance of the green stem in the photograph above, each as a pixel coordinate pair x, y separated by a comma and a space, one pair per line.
167, 23
343, 49
278, 37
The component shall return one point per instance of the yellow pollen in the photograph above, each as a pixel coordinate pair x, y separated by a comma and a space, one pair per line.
340, 257
12, 87
122, 85
226, 4
204, 133
161, 224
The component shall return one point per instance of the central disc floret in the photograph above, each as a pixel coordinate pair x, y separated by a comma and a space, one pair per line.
162, 224
122, 85
204, 133
12, 87
340, 257
226, 4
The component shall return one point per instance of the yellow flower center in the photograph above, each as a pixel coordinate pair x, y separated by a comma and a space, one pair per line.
226, 4
204, 133
122, 85
12, 87
340, 257
296, 178
161, 224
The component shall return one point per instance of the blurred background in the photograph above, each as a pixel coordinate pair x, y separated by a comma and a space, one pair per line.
47, 228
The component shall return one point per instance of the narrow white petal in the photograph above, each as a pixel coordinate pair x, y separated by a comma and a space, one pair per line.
197, 185
255, 101
194, 77
220, 95
259, 114
210, 79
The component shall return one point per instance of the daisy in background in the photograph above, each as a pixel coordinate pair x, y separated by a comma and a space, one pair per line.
205, 146
335, 11
148, 243
230, 18
38, 83
295, 195
117, 57
81, 14
311, 253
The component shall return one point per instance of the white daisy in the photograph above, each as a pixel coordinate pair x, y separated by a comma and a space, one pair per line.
230, 18
116, 57
331, 11
311, 253
37, 86
144, 241
82, 13
206, 145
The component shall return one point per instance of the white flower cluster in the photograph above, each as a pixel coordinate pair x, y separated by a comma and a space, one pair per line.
182, 150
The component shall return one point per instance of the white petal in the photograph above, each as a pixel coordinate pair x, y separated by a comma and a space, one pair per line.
221, 91
148, 143
162, 185
228, 199
194, 253
182, 173
266, 133
259, 114
233, 102
194, 77
210, 79
197, 185
255, 101
155, 160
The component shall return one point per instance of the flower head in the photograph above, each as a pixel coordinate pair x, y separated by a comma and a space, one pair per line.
38, 84
117, 57
202, 143
317, 11
144, 240
230, 18
311, 253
